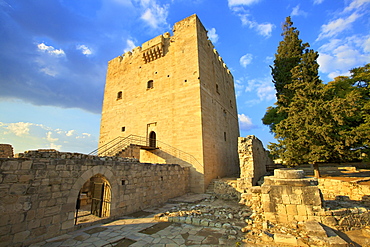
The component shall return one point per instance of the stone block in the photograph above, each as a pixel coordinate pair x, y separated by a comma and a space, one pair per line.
295, 199
18, 227
10, 178
26, 165
67, 224
285, 239
287, 173
50, 211
20, 237
196, 221
285, 199
32, 224
39, 231
291, 210
268, 207
314, 228
265, 198
300, 218
282, 218
270, 217
301, 209
5, 230
46, 221
281, 209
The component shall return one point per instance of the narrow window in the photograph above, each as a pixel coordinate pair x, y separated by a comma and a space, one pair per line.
119, 95
225, 136
150, 84
217, 89
123, 129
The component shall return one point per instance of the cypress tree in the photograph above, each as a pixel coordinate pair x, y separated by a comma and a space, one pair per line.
288, 56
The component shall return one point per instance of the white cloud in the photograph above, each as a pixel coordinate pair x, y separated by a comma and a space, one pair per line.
50, 49
356, 4
154, 14
130, 44
84, 49
212, 35
70, 132
246, 59
263, 88
245, 122
367, 45
241, 2
31, 136
317, 1
298, 12
338, 56
19, 129
54, 146
239, 87
263, 29
49, 138
337, 26
50, 60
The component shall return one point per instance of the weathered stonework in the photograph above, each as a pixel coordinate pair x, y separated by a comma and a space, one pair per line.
253, 160
6, 151
353, 190
290, 198
178, 87
39, 190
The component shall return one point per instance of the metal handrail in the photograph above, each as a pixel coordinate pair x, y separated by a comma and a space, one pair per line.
120, 143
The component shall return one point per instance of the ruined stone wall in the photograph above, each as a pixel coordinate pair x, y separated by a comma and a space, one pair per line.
289, 198
39, 190
6, 151
253, 161
353, 190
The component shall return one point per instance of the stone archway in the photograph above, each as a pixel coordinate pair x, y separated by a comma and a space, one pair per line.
108, 181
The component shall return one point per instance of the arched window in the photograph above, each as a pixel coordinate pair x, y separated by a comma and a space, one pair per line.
150, 84
152, 139
119, 95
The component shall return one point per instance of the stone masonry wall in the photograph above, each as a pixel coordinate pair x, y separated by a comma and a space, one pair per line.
253, 160
289, 198
39, 190
6, 151
354, 190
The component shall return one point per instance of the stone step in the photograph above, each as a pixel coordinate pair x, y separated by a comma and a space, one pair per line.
211, 187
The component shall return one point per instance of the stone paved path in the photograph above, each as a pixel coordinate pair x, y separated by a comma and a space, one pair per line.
142, 231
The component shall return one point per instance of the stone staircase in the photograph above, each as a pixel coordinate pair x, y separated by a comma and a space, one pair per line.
211, 187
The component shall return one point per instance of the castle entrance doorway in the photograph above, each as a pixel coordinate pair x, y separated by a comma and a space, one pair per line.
94, 200
152, 140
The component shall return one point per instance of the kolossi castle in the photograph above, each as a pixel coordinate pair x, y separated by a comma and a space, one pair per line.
172, 101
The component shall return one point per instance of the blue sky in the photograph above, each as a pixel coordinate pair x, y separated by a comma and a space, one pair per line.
54, 56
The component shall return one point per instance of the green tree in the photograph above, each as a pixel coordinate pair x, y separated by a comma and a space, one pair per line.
288, 56
324, 122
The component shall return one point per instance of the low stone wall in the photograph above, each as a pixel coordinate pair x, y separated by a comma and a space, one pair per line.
39, 190
289, 198
353, 190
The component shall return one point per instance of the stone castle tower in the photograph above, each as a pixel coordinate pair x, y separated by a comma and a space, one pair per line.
178, 93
